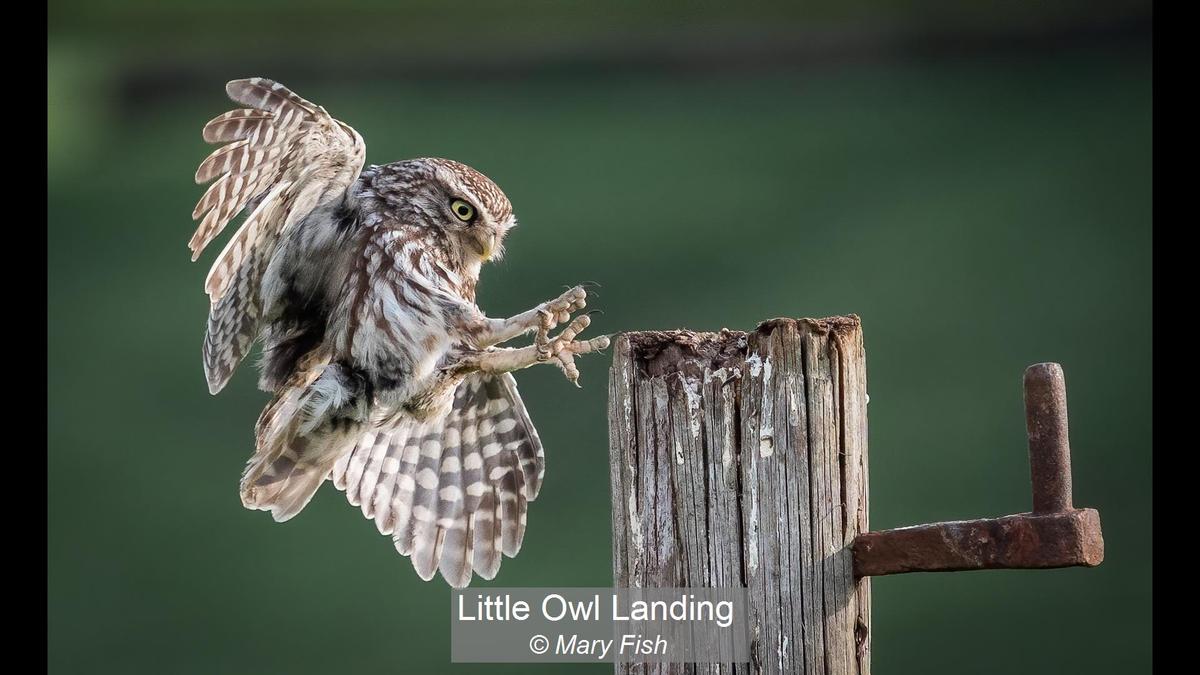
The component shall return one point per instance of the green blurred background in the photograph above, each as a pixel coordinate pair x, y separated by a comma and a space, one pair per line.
975, 182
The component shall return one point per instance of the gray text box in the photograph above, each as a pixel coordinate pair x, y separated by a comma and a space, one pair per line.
560, 625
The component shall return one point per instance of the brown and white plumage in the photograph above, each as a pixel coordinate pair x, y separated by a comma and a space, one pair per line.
452, 490
385, 375
294, 156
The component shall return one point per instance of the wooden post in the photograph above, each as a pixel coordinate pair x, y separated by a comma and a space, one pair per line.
740, 459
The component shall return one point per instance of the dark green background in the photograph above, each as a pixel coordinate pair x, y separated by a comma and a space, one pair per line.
975, 184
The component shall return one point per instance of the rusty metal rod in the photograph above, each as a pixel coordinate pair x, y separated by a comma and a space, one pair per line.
1055, 534
1023, 541
1049, 448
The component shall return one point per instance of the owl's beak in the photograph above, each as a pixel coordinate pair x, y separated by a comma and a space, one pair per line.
485, 244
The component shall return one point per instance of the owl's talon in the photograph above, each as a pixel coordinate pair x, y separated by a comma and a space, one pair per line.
566, 362
575, 328
572, 300
563, 348
542, 340
566, 350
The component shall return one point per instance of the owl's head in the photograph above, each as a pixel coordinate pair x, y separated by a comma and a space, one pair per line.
468, 206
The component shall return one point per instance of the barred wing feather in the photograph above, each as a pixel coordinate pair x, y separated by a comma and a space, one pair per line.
287, 157
452, 491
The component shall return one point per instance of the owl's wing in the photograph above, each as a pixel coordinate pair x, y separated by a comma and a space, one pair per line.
452, 492
285, 157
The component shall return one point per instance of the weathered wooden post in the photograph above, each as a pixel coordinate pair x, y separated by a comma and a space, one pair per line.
740, 460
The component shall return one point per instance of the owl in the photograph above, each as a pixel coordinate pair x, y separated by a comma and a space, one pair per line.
385, 376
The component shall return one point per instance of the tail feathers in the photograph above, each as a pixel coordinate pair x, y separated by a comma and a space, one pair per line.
300, 435
283, 482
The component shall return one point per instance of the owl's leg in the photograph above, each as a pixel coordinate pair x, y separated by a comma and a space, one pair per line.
549, 314
560, 350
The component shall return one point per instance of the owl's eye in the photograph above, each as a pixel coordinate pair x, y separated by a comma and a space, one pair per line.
463, 210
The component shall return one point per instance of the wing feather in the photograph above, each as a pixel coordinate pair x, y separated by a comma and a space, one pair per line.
235, 125
452, 492
292, 157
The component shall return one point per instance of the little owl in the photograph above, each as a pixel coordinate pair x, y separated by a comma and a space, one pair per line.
386, 377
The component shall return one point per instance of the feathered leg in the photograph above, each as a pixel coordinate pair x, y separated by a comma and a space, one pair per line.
547, 315
560, 351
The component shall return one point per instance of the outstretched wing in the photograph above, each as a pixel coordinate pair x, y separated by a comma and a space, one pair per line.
286, 157
452, 492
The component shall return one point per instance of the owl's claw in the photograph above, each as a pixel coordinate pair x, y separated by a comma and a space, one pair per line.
563, 348
573, 300
566, 355
555, 312
591, 287
541, 341
560, 349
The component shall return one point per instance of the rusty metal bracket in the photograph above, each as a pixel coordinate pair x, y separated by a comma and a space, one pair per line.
1054, 534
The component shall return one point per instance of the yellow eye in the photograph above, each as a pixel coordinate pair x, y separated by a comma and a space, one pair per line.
463, 210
